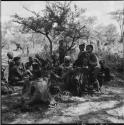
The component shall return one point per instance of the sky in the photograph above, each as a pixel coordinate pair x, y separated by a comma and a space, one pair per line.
100, 9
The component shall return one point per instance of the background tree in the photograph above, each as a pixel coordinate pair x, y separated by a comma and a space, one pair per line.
111, 34
6, 30
104, 36
118, 16
11, 34
89, 23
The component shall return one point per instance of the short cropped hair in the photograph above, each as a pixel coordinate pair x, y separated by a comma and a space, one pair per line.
90, 46
17, 58
82, 45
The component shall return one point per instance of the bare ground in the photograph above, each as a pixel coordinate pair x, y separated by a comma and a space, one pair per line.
107, 107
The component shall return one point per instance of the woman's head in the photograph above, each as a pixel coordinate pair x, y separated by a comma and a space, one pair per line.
17, 60
81, 47
30, 59
67, 59
89, 48
10, 55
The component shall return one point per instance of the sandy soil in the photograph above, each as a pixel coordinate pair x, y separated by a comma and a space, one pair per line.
107, 107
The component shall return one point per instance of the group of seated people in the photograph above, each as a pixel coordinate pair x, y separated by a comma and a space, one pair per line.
94, 64
32, 69
96, 68
18, 70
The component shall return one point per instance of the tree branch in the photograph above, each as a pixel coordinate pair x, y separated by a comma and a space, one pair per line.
38, 31
50, 43
72, 44
36, 14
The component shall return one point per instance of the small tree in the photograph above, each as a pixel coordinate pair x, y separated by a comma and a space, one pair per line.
58, 13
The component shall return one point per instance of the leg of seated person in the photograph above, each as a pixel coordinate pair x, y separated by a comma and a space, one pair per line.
107, 74
94, 77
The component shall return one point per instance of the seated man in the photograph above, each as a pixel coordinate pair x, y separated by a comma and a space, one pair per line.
33, 67
105, 70
82, 61
93, 65
36, 69
17, 72
82, 57
36, 92
55, 60
67, 63
37, 59
2, 74
29, 66
42, 61
62, 74
72, 76
10, 56
5, 87
61, 71
81, 47
10, 64
66, 72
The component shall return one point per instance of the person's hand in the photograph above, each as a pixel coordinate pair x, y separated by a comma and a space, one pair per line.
29, 72
87, 54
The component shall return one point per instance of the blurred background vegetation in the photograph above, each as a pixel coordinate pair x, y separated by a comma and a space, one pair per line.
41, 32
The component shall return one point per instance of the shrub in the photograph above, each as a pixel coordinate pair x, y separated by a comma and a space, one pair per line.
114, 61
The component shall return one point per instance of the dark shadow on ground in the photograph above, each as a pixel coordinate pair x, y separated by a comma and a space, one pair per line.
11, 110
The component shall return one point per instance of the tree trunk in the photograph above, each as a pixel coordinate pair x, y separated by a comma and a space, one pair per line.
51, 46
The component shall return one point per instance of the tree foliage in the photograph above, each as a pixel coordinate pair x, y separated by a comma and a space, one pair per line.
59, 13
106, 34
118, 15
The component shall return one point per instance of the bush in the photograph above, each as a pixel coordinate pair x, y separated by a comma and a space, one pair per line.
114, 61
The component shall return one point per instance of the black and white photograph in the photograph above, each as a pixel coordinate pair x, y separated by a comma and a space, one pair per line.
62, 62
